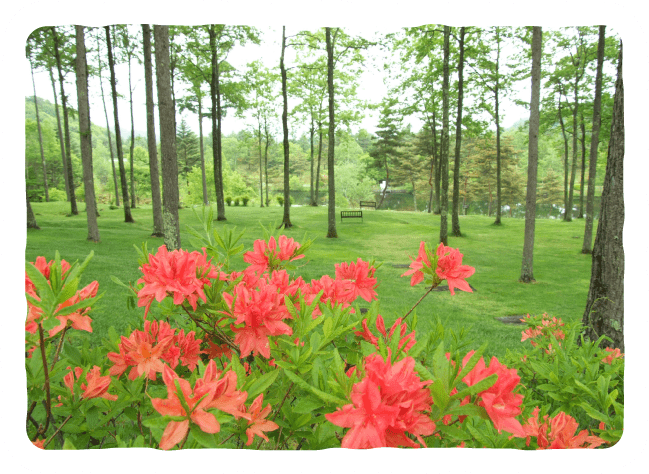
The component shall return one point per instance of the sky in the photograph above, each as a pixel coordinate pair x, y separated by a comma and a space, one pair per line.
372, 87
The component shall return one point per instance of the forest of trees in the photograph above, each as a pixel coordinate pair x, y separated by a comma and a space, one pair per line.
302, 136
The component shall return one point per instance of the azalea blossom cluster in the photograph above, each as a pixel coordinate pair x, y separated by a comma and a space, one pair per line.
96, 387
179, 273
389, 403
444, 264
541, 331
79, 319
559, 432
215, 390
257, 303
613, 354
406, 340
147, 351
272, 255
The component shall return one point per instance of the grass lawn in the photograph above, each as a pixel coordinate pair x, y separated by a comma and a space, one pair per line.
562, 273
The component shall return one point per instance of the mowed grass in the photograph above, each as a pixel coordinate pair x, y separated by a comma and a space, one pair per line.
562, 273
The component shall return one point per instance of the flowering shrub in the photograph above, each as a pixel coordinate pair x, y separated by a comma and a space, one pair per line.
262, 359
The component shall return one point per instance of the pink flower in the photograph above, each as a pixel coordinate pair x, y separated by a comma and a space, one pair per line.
406, 341
614, 354
559, 433
97, 386
258, 423
268, 257
417, 265
387, 403
450, 268
178, 273
362, 276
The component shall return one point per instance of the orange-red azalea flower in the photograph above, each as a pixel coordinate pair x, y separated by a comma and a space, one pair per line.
258, 422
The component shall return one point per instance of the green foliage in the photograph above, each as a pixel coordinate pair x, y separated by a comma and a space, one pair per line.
56, 195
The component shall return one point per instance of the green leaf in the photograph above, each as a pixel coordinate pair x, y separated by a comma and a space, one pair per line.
454, 432
590, 411
80, 305
319, 393
477, 388
441, 366
72, 353
471, 363
67, 444
40, 282
158, 422
306, 405
440, 395
204, 439
419, 346
262, 383
92, 417
68, 291
235, 365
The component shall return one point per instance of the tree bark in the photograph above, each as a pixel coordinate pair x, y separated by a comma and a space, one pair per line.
286, 219
156, 201
331, 214
573, 169
498, 160
206, 201
436, 166
317, 172
583, 167
565, 161
85, 135
443, 226
110, 142
261, 171
118, 136
312, 201
132, 147
61, 140
215, 94
527, 268
66, 126
594, 143
455, 224
170, 195
604, 314
267, 135
31, 219
40, 136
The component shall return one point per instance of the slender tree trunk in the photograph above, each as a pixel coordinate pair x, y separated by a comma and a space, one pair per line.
604, 314
40, 136
443, 226
455, 226
266, 159
317, 174
594, 143
583, 167
387, 181
132, 148
261, 174
66, 126
573, 170
206, 200
565, 164
61, 139
85, 135
110, 141
312, 136
215, 94
331, 214
31, 219
118, 136
286, 220
527, 268
156, 202
170, 195
436, 165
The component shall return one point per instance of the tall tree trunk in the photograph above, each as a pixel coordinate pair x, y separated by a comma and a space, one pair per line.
61, 139
286, 220
317, 171
443, 226
527, 268
331, 214
594, 143
66, 126
387, 181
40, 136
266, 133
312, 201
156, 201
436, 165
132, 148
206, 201
261, 174
573, 169
215, 94
85, 135
110, 141
170, 195
565, 161
455, 226
604, 314
31, 219
118, 136
583, 167
498, 158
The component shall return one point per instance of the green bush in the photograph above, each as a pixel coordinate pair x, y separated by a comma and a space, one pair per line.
236, 201
244, 200
280, 200
57, 195
228, 200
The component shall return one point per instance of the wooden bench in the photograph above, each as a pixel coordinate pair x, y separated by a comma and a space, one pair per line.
368, 204
350, 215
